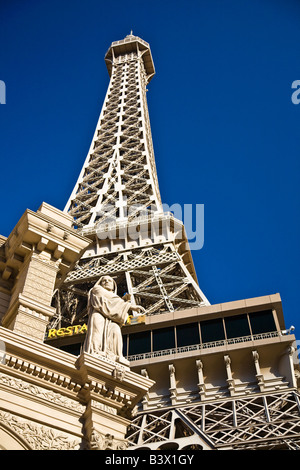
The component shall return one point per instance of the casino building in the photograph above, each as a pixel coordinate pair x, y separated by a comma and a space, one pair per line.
201, 376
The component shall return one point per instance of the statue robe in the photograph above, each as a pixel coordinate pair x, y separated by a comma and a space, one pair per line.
107, 313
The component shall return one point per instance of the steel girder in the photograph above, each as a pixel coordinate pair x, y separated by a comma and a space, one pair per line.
155, 277
120, 165
258, 421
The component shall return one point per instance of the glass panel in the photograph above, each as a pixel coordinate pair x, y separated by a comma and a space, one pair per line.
125, 338
139, 343
187, 334
72, 348
212, 330
262, 322
237, 326
163, 339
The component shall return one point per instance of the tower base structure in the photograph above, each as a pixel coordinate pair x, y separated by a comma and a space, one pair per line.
226, 377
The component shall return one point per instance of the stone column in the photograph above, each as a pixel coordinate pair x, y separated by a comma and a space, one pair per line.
201, 384
39, 253
259, 375
173, 388
30, 308
145, 400
230, 380
292, 357
110, 395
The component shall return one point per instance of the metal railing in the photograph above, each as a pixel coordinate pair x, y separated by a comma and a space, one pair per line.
199, 347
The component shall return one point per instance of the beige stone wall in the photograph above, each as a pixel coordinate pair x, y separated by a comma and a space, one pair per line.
4, 302
50, 399
34, 259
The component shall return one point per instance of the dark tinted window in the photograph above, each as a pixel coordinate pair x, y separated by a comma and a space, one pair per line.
262, 322
237, 326
163, 339
125, 337
72, 348
139, 343
187, 334
212, 330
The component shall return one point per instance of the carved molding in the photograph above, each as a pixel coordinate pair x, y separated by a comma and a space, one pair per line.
119, 373
40, 392
103, 407
37, 436
99, 441
41, 373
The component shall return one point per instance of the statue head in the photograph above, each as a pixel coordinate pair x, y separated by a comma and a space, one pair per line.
107, 283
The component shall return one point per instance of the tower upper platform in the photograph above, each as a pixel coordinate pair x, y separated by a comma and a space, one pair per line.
129, 44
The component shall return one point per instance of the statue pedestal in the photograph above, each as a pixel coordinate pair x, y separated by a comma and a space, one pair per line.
110, 395
51, 399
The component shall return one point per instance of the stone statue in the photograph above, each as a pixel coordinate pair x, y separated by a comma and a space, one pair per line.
107, 313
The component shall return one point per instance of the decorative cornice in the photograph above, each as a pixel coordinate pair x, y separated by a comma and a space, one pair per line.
41, 393
40, 372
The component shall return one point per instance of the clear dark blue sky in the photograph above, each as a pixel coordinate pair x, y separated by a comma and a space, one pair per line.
225, 131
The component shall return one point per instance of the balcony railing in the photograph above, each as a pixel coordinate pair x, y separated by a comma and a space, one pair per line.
200, 347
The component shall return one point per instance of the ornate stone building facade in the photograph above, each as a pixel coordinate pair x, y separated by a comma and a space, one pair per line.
50, 399
193, 375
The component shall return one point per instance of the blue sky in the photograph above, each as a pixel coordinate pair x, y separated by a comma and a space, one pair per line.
225, 131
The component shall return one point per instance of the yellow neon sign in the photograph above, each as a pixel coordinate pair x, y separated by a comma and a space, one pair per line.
68, 331
131, 320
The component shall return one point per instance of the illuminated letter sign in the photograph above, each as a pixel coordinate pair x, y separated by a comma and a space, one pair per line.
68, 331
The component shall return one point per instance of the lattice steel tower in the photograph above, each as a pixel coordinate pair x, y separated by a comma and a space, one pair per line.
225, 375
116, 202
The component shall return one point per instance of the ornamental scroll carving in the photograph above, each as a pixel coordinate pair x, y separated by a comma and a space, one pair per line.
100, 441
36, 436
40, 392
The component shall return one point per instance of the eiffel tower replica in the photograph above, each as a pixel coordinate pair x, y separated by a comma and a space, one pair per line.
116, 203
225, 375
